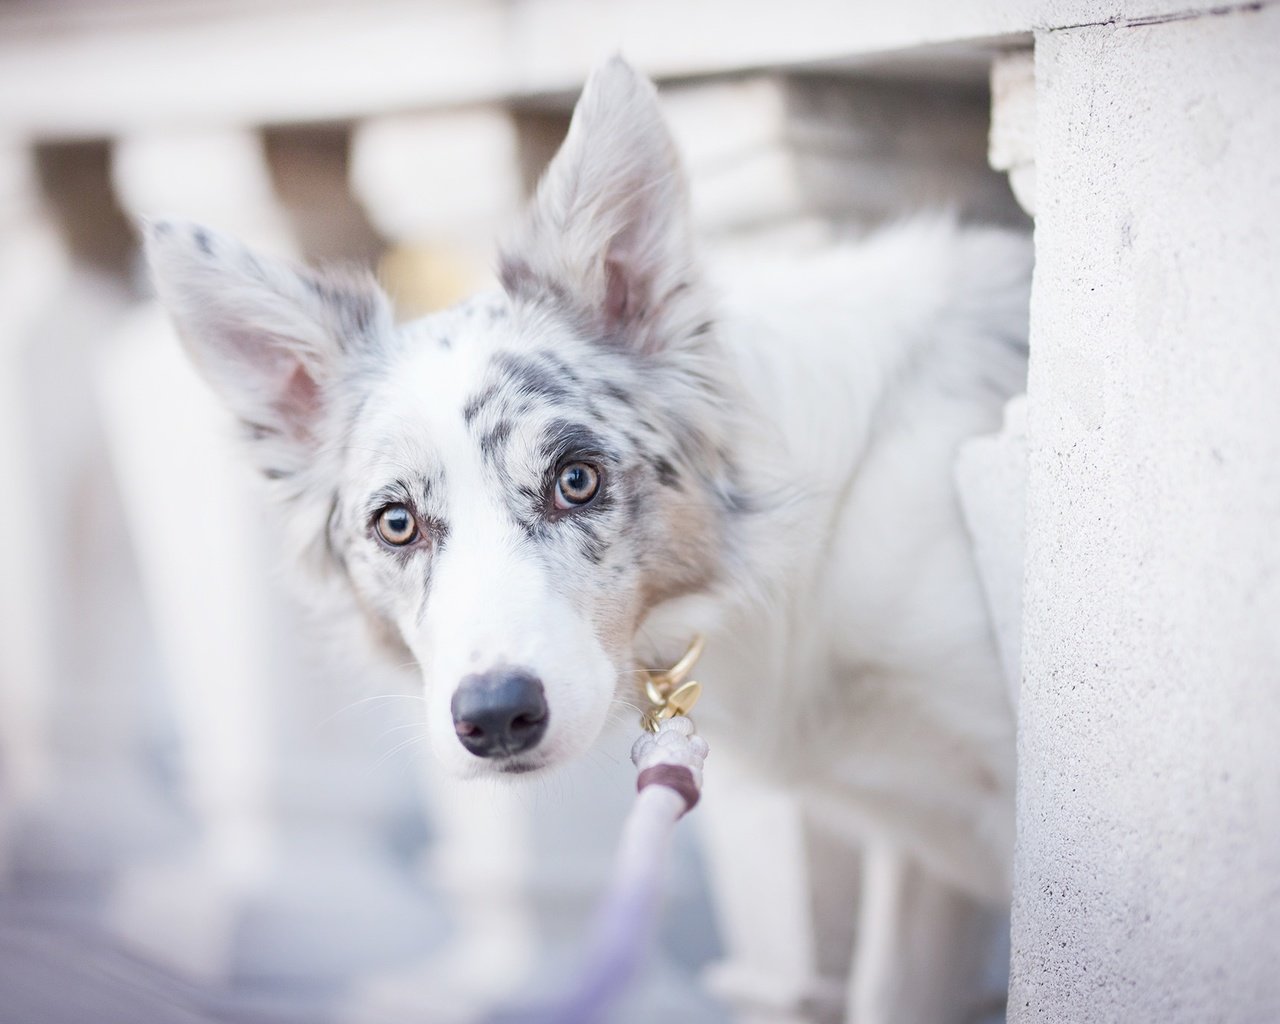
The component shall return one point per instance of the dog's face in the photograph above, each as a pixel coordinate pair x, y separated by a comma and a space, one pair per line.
506, 488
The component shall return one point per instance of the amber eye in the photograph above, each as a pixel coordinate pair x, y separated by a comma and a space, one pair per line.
397, 526
577, 484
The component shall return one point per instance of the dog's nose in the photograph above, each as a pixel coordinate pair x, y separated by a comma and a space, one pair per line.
500, 713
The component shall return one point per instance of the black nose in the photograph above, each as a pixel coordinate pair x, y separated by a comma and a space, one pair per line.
500, 713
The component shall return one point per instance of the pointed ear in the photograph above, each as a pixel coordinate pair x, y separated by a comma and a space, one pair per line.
608, 234
266, 336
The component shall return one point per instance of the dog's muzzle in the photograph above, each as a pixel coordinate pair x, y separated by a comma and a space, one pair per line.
500, 713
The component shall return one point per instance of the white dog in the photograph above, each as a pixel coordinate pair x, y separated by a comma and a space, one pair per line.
542, 489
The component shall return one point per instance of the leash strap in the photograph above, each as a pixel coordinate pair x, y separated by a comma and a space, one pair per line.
668, 756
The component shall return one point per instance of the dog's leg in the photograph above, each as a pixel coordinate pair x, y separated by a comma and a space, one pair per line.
925, 951
785, 891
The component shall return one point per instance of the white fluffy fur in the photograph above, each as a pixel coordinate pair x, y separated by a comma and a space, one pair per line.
869, 668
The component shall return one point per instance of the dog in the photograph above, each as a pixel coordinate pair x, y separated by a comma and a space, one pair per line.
543, 490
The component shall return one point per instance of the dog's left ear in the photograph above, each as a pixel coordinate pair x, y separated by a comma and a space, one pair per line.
608, 234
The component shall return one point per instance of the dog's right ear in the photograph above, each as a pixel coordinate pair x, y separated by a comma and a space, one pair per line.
268, 337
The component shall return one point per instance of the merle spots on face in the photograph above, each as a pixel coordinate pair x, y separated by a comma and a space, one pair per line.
203, 243
591, 543
522, 381
635, 504
561, 369
415, 492
668, 475
476, 404
496, 437
532, 504
566, 441
444, 342
533, 376
617, 393
424, 594
331, 545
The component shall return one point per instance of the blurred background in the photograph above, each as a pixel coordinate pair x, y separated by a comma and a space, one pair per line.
206, 813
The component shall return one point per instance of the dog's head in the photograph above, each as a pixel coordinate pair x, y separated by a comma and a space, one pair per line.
506, 488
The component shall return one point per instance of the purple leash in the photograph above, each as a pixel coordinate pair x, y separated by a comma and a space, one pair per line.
668, 756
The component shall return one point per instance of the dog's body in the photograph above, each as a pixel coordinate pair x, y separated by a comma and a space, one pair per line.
543, 489
860, 662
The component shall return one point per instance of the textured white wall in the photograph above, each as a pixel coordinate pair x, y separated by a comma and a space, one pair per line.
1148, 868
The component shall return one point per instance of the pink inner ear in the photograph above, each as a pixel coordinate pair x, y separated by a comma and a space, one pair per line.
299, 402
617, 293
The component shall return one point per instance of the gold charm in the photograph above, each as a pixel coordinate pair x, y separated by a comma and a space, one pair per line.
669, 692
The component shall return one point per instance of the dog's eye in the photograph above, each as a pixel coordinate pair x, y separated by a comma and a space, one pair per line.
577, 484
397, 526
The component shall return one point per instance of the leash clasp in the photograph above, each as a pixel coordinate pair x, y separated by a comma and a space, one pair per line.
667, 690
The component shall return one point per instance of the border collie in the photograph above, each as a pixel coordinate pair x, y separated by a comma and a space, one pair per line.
545, 489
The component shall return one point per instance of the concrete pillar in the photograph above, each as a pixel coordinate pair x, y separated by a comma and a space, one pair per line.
1149, 795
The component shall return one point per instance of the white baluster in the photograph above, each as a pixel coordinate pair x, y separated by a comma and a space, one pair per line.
34, 266
1012, 142
441, 186
786, 894
76, 668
